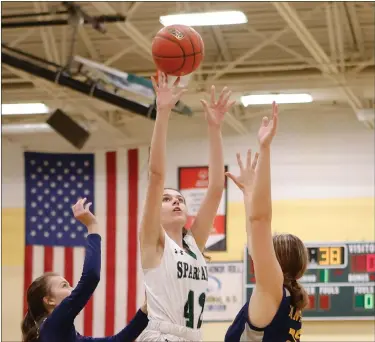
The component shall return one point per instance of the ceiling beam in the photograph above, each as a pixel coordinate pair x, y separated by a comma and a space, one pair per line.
337, 14
229, 67
331, 31
88, 44
128, 28
356, 27
328, 69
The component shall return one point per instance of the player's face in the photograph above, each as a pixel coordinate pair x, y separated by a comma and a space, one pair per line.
59, 289
173, 208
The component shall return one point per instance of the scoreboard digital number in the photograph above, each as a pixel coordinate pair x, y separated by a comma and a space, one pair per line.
340, 281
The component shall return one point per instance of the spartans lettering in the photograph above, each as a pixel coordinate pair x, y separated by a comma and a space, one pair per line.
184, 270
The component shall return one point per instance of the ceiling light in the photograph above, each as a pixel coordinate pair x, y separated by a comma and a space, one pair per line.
24, 108
205, 19
25, 128
278, 98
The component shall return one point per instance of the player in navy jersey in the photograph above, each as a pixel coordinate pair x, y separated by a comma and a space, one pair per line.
273, 313
53, 304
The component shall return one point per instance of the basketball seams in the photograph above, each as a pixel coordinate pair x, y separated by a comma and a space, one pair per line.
189, 42
192, 45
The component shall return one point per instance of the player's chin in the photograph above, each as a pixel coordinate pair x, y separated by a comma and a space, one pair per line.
181, 219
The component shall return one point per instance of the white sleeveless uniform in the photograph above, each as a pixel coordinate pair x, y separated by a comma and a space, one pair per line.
176, 293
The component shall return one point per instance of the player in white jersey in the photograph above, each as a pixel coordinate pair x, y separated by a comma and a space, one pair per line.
175, 272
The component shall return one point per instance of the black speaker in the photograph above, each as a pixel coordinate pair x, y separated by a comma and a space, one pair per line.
68, 129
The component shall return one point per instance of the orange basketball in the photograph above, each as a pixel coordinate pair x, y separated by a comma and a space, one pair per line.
177, 50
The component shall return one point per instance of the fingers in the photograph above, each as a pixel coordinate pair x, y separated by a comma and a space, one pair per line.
213, 95
275, 117
88, 205
205, 105
223, 95
248, 159
234, 179
177, 81
239, 161
154, 83
180, 93
255, 161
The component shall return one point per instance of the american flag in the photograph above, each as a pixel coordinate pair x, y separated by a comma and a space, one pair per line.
55, 240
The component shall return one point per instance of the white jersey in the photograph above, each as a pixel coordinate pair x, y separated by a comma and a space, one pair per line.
176, 289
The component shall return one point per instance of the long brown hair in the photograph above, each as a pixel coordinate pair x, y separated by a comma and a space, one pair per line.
37, 311
293, 259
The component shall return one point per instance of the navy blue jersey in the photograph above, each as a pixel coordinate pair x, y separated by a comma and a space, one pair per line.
59, 325
285, 326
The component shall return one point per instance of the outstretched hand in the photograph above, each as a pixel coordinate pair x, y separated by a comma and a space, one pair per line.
83, 214
215, 111
246, 177
268, 127
166, 96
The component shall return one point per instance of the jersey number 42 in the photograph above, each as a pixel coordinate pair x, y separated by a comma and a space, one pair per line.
189, 309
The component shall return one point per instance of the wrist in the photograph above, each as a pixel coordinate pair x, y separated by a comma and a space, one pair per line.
214, 129
164, 111
92, 228
265, 148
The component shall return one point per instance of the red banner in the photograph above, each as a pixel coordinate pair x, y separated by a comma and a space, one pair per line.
193, 184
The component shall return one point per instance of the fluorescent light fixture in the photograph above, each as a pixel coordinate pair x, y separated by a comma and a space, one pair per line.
278, 98
205, 19
26, 128
24, 108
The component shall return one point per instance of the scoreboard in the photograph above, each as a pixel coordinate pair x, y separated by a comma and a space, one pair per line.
339, 280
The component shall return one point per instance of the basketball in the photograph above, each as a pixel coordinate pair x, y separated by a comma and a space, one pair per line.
177, 50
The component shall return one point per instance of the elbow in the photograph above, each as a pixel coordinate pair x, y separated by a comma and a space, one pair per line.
94, 276
155, 174
216, 191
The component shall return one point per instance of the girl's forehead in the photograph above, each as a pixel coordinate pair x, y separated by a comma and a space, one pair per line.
172, 192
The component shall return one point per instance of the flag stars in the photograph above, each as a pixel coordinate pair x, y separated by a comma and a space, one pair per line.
53, 227
46, 205
40, 227
79, 185
59, 220
66, 199
73, 192
66, 228
86, 163
59, 178
39, 184
45, 163
46, 177
59, 235
46, 219
39, 169
86, 192
72, 164
46, 234
53, 170
33, 233
66, 171
86, 177
59, 163
66, 185
59, 206
33, 190
79, 171
33, 176
32, 162
73, 235
59, 192
46, 191
72, 178
33, 219
40, 198
33, 204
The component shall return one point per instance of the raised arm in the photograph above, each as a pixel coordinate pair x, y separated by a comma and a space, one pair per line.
65, 313
214, 113
151, 236
266, 266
